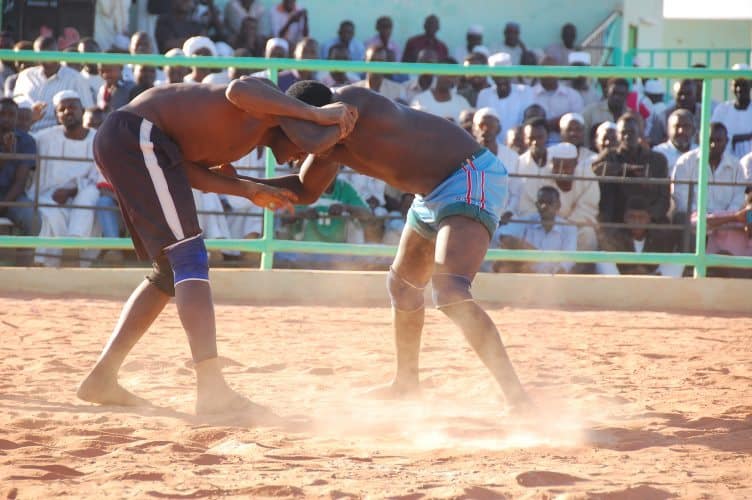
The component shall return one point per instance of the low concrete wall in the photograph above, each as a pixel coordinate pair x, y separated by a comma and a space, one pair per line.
368, 288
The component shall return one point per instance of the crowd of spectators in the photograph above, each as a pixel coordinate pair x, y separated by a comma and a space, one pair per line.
596, 164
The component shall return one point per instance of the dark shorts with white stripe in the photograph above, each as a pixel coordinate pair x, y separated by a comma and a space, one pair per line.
145, 169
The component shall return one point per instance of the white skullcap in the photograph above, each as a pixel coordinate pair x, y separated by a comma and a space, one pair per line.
500, 59
24, 102
196, 43
563, 151
740, 67
277, 42
63, 95
603, 127
484, 112
579, 58
121, 42
481, 49
174, 53
223, 50
654, 86
475, 29
570, 117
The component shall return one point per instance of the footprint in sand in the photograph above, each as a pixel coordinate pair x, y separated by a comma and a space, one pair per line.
140, 476
54, 472
643, 492
274, 367
535, 478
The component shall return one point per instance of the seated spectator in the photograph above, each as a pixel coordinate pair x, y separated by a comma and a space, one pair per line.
722, 167
6, 67
578, 198
632, 160
466, 120
515, 139
289, 21
686, 99
334, 79
528, 58
28, 112
681, 133
145, 77
421, 83
542, 231
63, 180
638, 238
605, 138
383, 37
40, 83
556, 99
471, 86
140, 43
14, 173
746, 163
220, 76
508, 99
736, 115
572, 126
307, 48
372, 191
115, 92
278, 48
249, 38
583, 84
533, 161
608, 109
93, 118
199, 46
237, 13
427, 40
90, 71
377, 81
72, 65
473, 38
346, 38
654, 91
10, 80
533, 112
174, 74
396, 219
212, 220
442, 100
513, 44
559, 52
175, 27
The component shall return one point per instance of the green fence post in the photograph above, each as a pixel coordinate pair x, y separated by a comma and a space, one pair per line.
702, 180
267, 256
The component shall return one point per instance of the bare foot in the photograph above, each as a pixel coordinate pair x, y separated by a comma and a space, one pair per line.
523, 406
224, 400
395, 390
104, 390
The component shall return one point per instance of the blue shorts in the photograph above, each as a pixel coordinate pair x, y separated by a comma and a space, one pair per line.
478, 190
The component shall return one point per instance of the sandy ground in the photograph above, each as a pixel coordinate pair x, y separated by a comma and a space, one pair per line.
633, 405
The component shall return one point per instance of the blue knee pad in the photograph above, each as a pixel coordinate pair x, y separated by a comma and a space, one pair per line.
404, 295
450, 289
189, 260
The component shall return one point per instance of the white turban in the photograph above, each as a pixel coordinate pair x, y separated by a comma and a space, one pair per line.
276, 42
63, 95
579, 58
224, 50
174, 53
654, 86
24, 102
566, 119
484, 112
481, 49
563, 151
603, 127
475, 29
196, 43
500, 59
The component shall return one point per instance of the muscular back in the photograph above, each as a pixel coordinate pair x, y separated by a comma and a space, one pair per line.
409, 149
208, 128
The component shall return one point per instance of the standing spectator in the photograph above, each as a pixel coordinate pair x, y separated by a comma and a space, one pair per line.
423, 82
249, 38
334, 79
512, 44
71, 65
515, 139
93, 118
579, 198
90, 71
173, 74
556, 100
632, 160
686, 98
14, 173
289, 21
637, 238
473, 38
507, 98
608, 109
427, 40
198, 46
10, 81
377, 81
307, 48
442, 100
110, 19
65, 177
236, 13
681, 133
6, 67
736, 115
140, 43
722, 167
278, 48
654, 91
583, 84
473, 85
115, 93
176, 26
543, 231
345, 37
383, 38
145, 76
559, 52
41, 83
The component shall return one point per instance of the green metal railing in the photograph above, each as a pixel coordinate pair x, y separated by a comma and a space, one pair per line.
267, 245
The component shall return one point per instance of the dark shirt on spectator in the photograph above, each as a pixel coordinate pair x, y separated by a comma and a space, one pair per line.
170, 33
111, 100
420, 42
25, 144
621, 240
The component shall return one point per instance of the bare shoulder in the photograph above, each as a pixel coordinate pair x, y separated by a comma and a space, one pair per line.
362, 98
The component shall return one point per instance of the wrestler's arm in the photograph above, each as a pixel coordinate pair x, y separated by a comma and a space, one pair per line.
310, 137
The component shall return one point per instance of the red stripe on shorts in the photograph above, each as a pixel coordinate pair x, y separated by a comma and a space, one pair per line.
469, 184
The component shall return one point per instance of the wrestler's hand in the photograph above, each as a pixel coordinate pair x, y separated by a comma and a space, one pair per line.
340, 114
271, 197
226, 170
